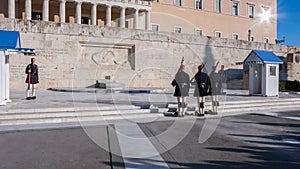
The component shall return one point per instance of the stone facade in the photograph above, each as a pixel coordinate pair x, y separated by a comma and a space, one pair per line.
252, 20
292, 64
234, 18
73, 55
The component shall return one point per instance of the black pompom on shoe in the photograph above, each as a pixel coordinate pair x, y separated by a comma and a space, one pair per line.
176, 114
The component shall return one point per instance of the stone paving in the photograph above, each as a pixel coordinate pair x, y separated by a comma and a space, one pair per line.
50, 100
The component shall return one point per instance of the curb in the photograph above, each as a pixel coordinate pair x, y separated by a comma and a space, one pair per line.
117, 90
70, 109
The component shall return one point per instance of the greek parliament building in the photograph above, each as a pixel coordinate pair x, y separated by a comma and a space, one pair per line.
253, 20
138, 43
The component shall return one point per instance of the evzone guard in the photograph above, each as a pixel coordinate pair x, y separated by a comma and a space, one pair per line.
202, 88
182, 86
32, 79
216, 87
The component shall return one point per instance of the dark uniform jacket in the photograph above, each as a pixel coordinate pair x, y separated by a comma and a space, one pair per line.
34, 76
203, 86
182, 83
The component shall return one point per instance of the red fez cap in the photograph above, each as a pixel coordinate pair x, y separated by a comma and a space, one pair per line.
200, 67
32, 59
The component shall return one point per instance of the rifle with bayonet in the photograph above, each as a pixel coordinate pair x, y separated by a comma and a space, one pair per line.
174, 81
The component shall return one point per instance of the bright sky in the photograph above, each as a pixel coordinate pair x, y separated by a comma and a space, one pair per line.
288, 21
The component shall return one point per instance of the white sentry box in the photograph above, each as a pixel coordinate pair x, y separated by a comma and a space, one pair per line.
4, 77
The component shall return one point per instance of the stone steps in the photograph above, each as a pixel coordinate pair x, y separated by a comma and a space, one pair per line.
245, 106
71, 114
58, 116
71, 109
82, 119
46, 115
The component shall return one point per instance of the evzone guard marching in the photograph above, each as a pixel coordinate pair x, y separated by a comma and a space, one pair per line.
182, 86
32, 79
202, 89
205, 85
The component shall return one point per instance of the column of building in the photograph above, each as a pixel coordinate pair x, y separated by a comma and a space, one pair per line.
62, 11
136, 19
11, 9
108, 15
78, 13
94, 14
122, 17
148, 22
46, 10
28, 9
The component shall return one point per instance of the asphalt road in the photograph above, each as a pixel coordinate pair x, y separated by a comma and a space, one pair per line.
53, 149
246, 141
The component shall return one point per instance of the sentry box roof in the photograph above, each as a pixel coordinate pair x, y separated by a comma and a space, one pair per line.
261, 57
10, 41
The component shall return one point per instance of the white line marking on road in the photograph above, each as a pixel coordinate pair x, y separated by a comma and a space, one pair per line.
137, 150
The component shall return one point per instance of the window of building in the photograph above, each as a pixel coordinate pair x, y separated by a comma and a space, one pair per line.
155, 27
290, 57
85, 20
126, 24
265, 9
198, 4
272, 70
297, 58
198, 32
218, 6
252, 39
156, 0
266, 13
266, 39
178, 2
218, 34
177, 29
235, 36
251, 11
37, 16
235, 8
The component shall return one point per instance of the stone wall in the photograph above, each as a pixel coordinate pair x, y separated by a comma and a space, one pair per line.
292, 64
72, 55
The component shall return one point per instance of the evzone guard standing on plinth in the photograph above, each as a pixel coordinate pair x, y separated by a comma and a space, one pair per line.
202, 89
182, 86
32, 79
